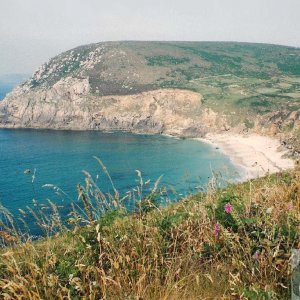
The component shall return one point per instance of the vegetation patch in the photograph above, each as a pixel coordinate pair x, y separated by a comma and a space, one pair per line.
165, 60
290, 64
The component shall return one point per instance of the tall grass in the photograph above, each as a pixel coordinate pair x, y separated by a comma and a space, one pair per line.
226, 243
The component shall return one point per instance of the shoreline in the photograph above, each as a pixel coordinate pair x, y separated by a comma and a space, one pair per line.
255, 155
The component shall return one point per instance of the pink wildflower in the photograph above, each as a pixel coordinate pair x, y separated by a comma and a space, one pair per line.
290, 206
217, 229
256, 255
228, 208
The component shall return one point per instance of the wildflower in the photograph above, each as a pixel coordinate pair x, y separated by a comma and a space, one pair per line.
228, 208
269, 210
290, 206
217, 229
256, 255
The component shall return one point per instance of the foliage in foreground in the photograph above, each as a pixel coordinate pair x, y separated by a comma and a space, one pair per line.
231, 243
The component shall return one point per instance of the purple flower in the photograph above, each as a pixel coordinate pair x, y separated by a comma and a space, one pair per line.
217, 229
228, 208
290, 206
256, 255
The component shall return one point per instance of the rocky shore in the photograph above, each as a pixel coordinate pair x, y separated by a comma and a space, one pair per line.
68, 105
180, 113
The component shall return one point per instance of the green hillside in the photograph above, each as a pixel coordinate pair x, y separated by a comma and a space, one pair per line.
256, 77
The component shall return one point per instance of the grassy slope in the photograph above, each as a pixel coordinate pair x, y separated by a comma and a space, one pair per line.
168, 253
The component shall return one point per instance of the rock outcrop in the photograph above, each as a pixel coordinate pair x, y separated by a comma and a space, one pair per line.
69, 105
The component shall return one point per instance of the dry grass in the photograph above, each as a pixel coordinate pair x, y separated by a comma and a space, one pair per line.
162, 253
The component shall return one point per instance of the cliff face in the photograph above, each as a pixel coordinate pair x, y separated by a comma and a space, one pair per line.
69, 105
184, 89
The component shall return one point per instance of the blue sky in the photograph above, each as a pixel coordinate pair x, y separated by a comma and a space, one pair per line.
32, 31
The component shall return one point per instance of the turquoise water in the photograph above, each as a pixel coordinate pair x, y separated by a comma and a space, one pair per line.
8, 82
4, 89
60, 156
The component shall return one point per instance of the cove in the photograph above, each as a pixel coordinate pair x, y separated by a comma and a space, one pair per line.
58, 158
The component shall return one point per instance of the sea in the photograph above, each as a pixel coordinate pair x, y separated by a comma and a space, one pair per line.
4, 89
35, 164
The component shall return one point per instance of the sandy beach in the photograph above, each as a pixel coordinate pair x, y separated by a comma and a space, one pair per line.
256, 155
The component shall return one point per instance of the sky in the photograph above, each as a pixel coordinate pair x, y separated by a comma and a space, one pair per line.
33, 31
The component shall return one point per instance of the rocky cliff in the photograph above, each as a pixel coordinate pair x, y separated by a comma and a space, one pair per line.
69, 105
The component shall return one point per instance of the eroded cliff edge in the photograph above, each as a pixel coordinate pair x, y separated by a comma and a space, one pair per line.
69, 105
